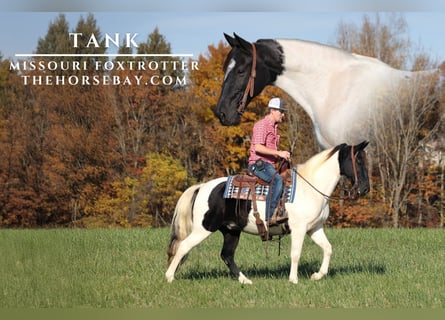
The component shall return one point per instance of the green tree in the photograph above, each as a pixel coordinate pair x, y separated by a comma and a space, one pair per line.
156, 43
56, 39
88, 27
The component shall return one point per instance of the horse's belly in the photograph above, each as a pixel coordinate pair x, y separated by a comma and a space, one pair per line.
251, 221
252, 228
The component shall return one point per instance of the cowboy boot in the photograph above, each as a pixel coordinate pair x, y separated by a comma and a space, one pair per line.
279, 216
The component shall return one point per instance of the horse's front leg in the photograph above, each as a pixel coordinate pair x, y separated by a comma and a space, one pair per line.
319, 237
297, 237
231, 240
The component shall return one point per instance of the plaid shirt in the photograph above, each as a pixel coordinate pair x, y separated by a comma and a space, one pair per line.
265, 132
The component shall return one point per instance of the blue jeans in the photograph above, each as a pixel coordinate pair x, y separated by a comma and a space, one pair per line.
268, 173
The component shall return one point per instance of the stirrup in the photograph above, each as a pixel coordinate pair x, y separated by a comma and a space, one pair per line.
279, 216
276, 220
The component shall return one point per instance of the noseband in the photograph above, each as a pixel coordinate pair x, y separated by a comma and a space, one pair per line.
250, 83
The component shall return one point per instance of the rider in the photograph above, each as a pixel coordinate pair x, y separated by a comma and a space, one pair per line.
264, 154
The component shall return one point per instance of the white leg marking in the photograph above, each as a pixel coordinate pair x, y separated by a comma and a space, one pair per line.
196, 237
297, 237
243, 279
319, 237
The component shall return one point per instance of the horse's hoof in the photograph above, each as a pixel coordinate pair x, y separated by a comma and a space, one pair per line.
294, 281
317, 276
169, 278
243, 279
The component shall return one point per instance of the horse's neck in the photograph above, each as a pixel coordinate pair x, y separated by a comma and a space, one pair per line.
303, 72
321, 171
312, 68
335, 87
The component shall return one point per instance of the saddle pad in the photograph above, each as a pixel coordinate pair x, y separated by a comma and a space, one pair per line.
234, 192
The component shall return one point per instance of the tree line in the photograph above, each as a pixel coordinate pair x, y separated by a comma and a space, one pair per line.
120, 156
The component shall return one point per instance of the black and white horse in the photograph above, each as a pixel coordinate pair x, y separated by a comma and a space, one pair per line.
202, 210
340, 91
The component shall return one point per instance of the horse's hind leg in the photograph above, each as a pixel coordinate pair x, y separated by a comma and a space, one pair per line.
319, 237
231, 240
193, 239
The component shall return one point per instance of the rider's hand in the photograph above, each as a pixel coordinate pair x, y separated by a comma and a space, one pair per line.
284, 154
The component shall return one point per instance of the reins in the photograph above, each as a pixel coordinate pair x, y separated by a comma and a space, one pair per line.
327, 197
250, 84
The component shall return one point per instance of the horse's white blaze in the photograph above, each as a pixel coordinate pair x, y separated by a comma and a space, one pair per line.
230, 67
338, 90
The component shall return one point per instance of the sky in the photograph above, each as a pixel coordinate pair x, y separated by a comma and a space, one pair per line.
191, 28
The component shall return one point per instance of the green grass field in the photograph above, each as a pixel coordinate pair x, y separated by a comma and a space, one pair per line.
370, 268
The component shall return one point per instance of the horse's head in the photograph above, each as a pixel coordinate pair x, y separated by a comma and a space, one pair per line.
248, 68
352, 161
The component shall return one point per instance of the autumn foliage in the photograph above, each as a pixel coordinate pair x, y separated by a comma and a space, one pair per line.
120, 156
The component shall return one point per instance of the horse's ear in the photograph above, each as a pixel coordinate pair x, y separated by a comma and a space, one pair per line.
362, 145
243, 44
230, 40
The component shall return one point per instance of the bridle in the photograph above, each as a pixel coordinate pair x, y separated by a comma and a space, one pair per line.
354, 167
348, 191
250, 84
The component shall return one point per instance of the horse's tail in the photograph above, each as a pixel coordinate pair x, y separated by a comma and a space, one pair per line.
182, 220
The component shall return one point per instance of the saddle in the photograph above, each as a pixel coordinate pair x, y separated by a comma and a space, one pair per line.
249, 182
248, 179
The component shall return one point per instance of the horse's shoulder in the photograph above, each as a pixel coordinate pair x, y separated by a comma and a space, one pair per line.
305, 169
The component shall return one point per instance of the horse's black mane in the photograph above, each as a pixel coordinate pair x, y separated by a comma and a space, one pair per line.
271, 53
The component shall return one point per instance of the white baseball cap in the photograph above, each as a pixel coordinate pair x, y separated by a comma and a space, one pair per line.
276, 103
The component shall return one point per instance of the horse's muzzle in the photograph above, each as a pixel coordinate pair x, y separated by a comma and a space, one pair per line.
358, 192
